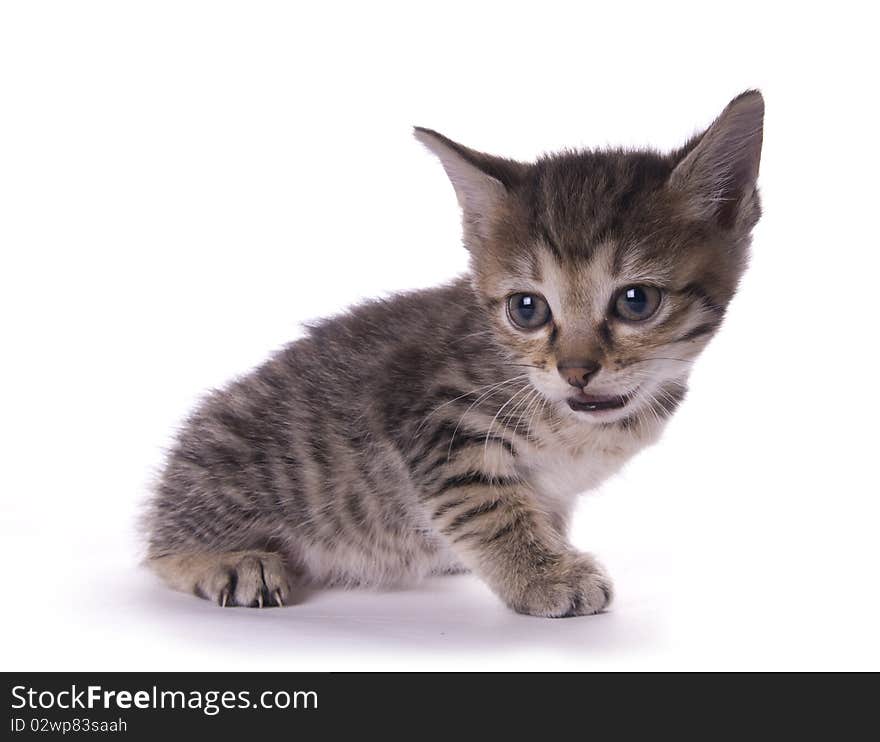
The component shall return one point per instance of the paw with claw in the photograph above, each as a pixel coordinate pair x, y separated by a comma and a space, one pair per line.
254, 579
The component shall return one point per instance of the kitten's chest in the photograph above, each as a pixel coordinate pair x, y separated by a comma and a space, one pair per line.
564, 467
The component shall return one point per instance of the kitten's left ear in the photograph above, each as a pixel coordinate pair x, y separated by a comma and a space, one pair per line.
718, 170
482, 182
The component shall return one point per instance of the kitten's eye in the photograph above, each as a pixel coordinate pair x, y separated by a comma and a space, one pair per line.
528, 311
637, 303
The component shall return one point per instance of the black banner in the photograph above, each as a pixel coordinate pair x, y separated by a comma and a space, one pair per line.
145, 705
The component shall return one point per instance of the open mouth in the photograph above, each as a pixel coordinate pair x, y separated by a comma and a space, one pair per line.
582, 402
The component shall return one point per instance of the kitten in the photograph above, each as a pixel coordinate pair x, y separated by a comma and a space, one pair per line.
450, 429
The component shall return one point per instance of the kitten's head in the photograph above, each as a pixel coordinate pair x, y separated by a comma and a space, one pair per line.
606, 273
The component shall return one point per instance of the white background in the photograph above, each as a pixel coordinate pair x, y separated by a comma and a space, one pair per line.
182, 184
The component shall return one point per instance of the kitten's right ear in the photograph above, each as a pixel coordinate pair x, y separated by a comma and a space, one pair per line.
481, 181
718, 171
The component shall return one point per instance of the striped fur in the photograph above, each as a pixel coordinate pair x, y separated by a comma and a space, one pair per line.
426, 434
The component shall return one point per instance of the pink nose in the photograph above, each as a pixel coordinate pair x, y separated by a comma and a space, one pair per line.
578, 373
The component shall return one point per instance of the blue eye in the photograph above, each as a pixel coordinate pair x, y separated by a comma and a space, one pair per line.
637, 303
528, 311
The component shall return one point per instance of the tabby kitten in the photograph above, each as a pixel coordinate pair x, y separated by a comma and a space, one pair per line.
450, 429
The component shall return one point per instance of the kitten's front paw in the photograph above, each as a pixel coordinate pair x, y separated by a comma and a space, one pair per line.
575, 586
255, 579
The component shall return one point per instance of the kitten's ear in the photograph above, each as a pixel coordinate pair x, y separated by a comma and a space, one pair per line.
482, 182
718, 170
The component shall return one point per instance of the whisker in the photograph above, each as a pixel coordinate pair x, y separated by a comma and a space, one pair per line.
462, 396
659, 358
542, 401
523, 409
513, 413
536, 401
524, 388
471, 335
485, 444
492, 390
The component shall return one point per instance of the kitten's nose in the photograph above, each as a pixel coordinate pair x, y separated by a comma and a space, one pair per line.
578, 373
